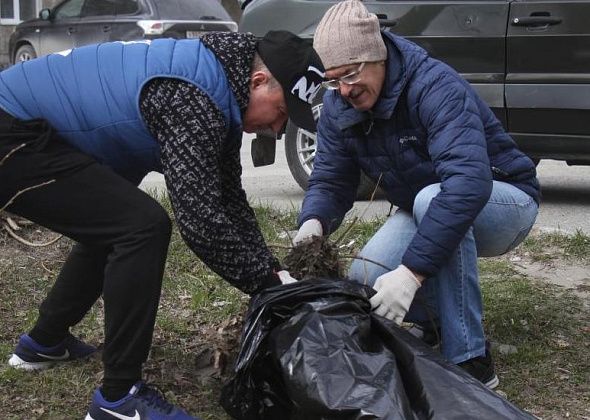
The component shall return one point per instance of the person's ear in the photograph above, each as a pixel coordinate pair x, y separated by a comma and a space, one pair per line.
258, 78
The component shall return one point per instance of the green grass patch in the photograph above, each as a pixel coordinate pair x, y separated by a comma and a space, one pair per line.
546, 325
200, 317
549, 246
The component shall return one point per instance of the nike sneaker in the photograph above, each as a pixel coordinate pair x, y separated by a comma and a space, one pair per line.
142, 402
30, 355
482, 369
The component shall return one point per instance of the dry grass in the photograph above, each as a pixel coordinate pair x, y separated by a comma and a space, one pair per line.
199, 321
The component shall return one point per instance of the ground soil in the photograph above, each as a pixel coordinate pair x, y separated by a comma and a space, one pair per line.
565, 273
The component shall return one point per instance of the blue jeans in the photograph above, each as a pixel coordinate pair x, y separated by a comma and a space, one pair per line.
453, 295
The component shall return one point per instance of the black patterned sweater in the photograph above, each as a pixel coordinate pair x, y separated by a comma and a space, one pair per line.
202, 168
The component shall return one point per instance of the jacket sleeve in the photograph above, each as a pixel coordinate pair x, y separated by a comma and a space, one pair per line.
457, 147
237, 208
335, 177
203, 178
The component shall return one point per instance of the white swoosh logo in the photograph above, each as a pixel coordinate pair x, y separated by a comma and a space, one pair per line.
64, 356
122, 416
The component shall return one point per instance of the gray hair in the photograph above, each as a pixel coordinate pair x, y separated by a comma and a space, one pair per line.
258, 65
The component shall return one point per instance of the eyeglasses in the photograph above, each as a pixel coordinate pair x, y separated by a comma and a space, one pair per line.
347, 79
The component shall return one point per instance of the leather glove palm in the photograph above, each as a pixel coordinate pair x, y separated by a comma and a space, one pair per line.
395, 292
307, 231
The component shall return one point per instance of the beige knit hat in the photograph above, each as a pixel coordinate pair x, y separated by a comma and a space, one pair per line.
349, 34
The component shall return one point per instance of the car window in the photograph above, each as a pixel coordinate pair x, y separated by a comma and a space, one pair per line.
98, 8
126, 7
69, 9
190, 9
28, 9
6, 9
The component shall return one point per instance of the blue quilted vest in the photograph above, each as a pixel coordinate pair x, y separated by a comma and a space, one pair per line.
90, 95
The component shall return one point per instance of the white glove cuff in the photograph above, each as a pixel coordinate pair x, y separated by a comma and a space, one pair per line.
409, 279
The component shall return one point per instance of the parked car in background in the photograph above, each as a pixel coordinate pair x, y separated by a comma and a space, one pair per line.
528, 59
73, 23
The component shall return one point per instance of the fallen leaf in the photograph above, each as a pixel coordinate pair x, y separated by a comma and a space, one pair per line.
561, 343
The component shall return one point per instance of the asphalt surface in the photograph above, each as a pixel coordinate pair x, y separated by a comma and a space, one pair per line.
565, 205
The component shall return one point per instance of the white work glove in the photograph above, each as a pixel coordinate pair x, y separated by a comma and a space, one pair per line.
395, 292
307, 231
285, 277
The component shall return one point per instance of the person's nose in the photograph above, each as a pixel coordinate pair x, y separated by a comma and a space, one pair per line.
345, 89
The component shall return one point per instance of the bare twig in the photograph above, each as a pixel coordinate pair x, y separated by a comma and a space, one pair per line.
12, 224
358, 257
355, 219
13, 151
341, 237
373, 194
24, 241
8, 223
279, 246
47, 269
318, 258
23, 191
282, 226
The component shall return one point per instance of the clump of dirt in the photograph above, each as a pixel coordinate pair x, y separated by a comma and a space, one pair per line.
317, 258
206, 356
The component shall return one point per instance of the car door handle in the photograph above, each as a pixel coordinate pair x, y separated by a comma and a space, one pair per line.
71, 30
106, 28
536, 20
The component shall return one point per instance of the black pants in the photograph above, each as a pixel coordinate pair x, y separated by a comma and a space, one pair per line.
122, 237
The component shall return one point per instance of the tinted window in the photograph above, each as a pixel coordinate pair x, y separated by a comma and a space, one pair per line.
190, 9
126, 7
69, 9
27, 9
98, 8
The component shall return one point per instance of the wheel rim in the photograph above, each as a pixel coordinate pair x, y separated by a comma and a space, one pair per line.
306, 144
25, 56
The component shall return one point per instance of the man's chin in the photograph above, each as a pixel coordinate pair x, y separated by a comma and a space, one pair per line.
362, 103
357, 103
360, 106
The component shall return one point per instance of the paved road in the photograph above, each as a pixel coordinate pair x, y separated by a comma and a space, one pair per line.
565, 206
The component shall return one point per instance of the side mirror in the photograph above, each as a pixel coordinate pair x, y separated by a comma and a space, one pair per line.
44, 14
263, 150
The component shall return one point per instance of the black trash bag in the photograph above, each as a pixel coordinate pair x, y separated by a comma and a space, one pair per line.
313, 350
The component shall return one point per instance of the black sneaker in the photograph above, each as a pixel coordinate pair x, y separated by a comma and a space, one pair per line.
142, 402
30, 355
482, 369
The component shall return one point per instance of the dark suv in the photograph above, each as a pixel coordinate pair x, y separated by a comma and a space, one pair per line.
528, 59
74, 23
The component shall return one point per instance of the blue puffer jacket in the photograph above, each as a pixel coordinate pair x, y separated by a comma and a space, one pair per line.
428, 126
90, 96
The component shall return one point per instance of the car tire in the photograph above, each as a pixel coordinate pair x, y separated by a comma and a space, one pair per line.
25, 52
300, 146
